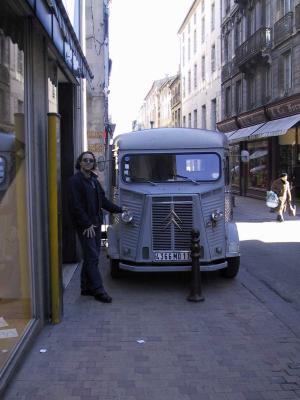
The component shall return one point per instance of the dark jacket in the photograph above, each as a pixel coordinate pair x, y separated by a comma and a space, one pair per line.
84, 211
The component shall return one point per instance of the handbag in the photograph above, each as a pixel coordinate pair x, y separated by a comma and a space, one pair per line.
272, 200
292, 210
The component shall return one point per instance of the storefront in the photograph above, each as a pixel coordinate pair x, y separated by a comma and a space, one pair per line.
274, 147
41, 64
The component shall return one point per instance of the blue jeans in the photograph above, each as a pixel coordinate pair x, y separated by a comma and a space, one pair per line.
90, 274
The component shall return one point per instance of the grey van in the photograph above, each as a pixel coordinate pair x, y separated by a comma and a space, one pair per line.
172, 180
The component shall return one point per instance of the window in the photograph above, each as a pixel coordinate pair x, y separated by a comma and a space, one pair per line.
203, 116
213, 113
227, 5
268, 82
234, 158
183, 87
251, 92
238, 97
202, 6
213, 11
258, 164
170, 167
184, 121
15, 270
189, 48
190, 120
195, 118
251, 22
195, 18
203, 67
287, 68
285, 6
228, 101
195, 41
238, 34
183, 56
189, 82
213, 58
189, 27
203, 29
268, 14
226, 48
195, 76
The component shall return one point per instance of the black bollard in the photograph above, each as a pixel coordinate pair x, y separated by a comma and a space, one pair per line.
196, 290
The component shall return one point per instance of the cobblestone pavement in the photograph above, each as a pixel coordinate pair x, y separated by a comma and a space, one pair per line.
233, 346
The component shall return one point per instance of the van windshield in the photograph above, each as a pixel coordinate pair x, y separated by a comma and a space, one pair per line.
189, 167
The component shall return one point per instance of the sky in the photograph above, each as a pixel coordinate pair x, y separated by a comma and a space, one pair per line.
144, 47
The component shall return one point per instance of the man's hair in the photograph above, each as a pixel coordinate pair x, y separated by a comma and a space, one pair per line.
283, 175
79, 159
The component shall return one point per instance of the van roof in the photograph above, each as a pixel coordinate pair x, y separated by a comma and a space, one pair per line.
171, 138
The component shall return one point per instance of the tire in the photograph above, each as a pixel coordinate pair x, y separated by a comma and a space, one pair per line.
233, 268
115, 271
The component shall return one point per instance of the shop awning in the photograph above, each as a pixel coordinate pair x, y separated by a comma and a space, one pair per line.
228, 134
243, 133
276, 127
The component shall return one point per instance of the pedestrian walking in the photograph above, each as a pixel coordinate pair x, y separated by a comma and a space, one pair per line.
281, 187
86, 201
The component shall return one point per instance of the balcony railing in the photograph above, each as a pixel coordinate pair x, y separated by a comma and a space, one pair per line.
228, 70
253, 46
283, 28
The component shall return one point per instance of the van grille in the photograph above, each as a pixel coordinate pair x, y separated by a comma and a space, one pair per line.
172, 222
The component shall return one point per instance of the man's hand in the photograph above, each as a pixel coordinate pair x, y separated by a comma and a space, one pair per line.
90, 232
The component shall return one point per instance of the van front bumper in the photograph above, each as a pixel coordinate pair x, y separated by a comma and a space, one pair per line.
135, 267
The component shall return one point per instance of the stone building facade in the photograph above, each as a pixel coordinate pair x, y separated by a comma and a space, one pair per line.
200, 65
261, 91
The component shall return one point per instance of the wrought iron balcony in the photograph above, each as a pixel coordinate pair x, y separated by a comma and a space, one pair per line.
254, 46
228, 70
283, 28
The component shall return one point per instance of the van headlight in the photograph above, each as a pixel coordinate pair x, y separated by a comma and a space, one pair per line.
217, 215
127, 216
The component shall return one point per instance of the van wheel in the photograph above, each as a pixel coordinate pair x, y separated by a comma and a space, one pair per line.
115, 271
233, 267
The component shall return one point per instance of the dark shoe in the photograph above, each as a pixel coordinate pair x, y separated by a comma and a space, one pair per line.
103, 297
280, 218
87, 292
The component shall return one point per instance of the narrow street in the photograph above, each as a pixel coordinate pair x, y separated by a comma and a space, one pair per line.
241, 343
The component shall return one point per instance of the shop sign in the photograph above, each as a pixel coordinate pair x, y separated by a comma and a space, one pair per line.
227, 125
252, 118
285, 108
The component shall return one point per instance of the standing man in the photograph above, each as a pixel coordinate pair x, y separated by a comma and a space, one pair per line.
86, 200
281, 187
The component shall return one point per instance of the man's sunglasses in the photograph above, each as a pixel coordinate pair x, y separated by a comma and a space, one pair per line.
88, 160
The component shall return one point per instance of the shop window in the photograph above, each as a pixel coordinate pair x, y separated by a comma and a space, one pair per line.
234, 158
15, 279
258, 164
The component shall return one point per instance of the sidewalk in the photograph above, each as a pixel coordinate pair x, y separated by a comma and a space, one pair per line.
151, 344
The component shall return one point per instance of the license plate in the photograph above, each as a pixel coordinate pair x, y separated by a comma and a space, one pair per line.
172, 256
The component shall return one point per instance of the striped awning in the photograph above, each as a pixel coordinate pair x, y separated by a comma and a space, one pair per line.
243, 133
276, 127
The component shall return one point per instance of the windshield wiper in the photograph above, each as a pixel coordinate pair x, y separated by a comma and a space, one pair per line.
144, 180
186, 178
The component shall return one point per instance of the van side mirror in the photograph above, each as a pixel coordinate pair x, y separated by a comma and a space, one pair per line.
245, 157
101, 163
